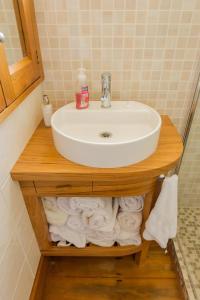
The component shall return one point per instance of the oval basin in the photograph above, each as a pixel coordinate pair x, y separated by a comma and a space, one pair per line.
124, 134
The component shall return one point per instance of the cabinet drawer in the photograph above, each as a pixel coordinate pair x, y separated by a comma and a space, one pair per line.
123, 188
58, 188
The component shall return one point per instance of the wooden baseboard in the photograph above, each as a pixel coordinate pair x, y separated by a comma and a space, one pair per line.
38, 285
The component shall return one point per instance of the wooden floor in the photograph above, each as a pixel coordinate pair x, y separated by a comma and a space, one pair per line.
112, 278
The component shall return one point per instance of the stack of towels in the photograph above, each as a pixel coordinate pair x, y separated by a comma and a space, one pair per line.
100, 220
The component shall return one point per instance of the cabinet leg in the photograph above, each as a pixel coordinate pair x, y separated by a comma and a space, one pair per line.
37, 215
141, 256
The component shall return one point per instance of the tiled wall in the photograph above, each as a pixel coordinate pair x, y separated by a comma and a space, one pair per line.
8, 25
189, 176
151, 47
19, 253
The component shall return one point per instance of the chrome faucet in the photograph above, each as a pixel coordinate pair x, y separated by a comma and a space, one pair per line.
106, 90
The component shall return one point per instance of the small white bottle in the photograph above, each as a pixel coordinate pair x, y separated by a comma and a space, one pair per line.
47, 111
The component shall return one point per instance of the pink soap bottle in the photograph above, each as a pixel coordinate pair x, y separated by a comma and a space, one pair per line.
82, 93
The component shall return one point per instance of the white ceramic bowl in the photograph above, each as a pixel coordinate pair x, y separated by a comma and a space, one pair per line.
122, 135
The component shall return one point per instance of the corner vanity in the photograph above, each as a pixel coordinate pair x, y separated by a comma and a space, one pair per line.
42, 171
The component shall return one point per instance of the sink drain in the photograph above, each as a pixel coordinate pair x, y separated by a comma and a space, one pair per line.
105, 134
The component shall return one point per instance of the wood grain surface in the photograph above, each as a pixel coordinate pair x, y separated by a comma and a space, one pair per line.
112, 278
40, 160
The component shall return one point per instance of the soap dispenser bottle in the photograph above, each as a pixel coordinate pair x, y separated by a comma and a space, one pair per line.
47, 110
82, 93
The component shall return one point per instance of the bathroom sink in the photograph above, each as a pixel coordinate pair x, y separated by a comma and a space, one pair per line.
124, 134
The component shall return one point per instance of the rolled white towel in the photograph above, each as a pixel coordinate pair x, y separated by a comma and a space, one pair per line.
131, 203
53, 213
55, 237
75, 222
129, 221
74, 237
102, 219
64, 203
74, 205
102, 238
63, 244
88, 203
60, 242
126, 238
128, 228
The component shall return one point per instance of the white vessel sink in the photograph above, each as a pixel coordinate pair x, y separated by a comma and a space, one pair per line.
122, 135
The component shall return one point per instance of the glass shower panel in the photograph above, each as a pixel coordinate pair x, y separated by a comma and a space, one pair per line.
189, 173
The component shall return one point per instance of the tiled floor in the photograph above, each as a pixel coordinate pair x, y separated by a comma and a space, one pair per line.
187, 246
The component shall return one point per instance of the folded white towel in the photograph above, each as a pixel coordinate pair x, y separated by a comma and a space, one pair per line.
131, 203
162, 222
54, 215
74, 237
102, 219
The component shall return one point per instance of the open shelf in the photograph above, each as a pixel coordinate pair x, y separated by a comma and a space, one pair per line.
91, 250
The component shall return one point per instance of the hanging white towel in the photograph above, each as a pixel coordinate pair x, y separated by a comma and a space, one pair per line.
131, 203
102, 219
74, 237
162, 222
54, 215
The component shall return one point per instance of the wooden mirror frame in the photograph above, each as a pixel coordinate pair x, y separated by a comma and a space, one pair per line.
19, 79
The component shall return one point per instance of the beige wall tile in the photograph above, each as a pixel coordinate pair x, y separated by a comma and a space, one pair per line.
151, 39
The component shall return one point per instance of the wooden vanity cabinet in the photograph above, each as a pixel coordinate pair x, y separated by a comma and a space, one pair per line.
2, 99
42, 171
33, 191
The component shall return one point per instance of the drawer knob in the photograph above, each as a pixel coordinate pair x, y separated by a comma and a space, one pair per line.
64, 186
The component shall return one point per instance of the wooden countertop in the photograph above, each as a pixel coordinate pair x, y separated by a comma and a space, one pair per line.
41, 161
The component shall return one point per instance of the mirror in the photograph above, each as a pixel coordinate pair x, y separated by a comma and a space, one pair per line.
10, 26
